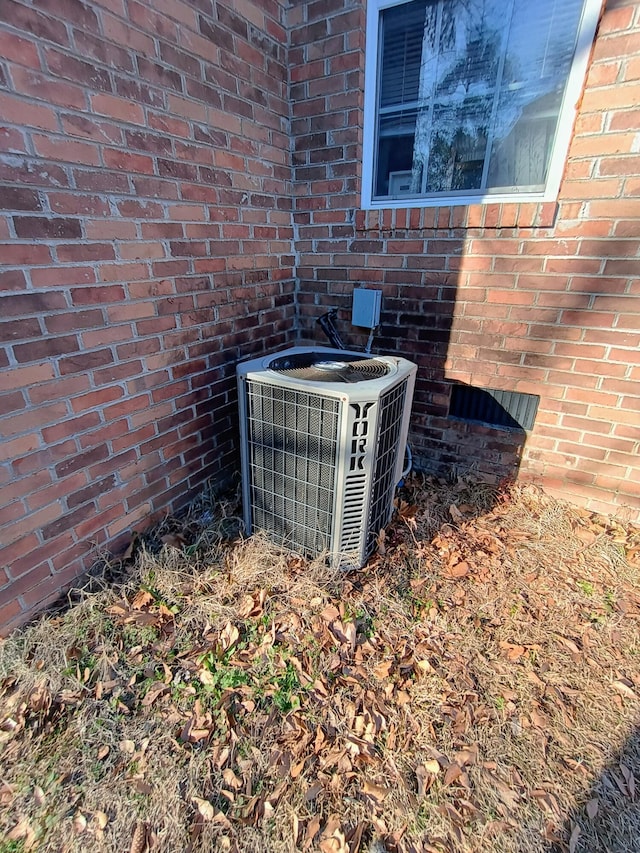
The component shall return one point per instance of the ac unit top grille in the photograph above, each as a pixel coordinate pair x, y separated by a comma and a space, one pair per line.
323, 367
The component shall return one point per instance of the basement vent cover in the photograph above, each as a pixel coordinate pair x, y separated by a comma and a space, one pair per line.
507, 409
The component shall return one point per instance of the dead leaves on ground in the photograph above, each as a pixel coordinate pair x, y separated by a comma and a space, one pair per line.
431, 705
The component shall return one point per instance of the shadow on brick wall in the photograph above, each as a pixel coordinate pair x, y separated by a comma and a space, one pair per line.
416, 322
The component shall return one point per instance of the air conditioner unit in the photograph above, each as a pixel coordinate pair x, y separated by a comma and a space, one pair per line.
323, 435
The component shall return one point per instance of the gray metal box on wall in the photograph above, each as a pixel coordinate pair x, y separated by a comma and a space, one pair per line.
323, 434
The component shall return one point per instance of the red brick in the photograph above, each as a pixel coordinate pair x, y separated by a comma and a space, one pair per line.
137, 250
71, 427
103, 181
13, 109
23, 377
101, 229
57, 389
45, 348
84, 361
96, 295
72, 202
23, 254
65, 150
86, 252
108, 335
625, 120
123, 33
41, 227
33, 84
19, 198
128, 162
117, 108
20, 329
74, 321
71, 68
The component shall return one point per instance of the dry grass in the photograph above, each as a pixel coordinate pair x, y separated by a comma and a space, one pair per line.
474, 688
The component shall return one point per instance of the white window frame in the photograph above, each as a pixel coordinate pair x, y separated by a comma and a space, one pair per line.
566, 119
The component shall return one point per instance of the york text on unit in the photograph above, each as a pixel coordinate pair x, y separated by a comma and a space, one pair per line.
359, 435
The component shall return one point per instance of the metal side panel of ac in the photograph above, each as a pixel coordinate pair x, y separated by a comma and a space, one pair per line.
369, 486
354, 482
389, 456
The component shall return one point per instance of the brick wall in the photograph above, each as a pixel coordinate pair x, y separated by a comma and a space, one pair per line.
146, 245
542, 299
148, 220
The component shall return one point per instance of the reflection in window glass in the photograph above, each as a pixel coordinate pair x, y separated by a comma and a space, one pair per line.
470, 93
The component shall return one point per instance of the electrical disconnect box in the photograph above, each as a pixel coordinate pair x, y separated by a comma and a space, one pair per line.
365, 309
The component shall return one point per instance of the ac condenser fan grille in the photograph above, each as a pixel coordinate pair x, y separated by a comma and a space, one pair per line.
318, 367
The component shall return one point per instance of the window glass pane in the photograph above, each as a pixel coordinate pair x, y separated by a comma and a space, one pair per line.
401, 53
469, 94
457, 145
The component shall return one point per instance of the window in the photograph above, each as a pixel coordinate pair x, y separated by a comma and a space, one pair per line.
471, 100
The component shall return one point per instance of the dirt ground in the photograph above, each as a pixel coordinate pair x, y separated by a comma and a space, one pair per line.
474, 688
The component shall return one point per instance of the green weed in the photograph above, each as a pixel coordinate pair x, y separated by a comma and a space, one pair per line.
586, 587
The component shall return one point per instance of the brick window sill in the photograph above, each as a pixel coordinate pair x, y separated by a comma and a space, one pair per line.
480, 216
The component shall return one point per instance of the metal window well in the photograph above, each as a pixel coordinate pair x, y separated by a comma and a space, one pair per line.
323, 434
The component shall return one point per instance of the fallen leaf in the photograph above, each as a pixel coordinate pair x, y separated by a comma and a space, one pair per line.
376, 792
222, 820
40, 700
424, 781
312, 829
624, 689
229, 636
230, 779
458, 570
514, 651
467, 756
172, 540
205, 809
452, 773
592, 808
336, 843
22, 831
629, 781
573, 840
508, 796
101, 819
383, 669
142, 599
354, 837
6, 793
330, 614
79, 823
154, 692
312, 791
455, 513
